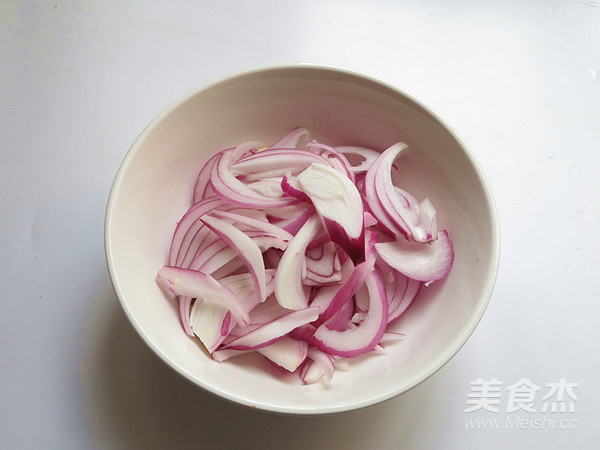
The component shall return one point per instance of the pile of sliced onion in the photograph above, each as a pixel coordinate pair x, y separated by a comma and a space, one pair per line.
293, 252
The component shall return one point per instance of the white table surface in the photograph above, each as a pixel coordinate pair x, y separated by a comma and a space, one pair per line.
519, 80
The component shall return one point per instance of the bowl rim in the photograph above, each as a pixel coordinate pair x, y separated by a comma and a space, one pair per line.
434, 366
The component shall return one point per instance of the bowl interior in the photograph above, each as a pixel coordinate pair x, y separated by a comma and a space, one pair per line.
153, 189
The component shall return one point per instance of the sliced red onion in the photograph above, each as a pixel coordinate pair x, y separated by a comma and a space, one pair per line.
207, 321
322, 265
342, 365
315, 247
262, 314
404, 216
400, 303
291, 187
270, 187
194, 284
428, 219
355, 341
266, 241
372, 202
391, 337
336, 158
420, 216
288, 280
258, 224
245, 148
409, 204
245, 248
324, 296
224, 355
191, 236
303, 332
319, 365
384, 189
320, 226
212, 323
188, 226
292, 139
202, 239
233, 267
371, 238
422, 262
366, 155
318, 280
275, 162
272, 331
286, 352
369, 220
230, 189
339, 205
218, 254
213, 256
202, 187
283, 214
338, 165
185, 307
311, 372
341, 319
324, 360
353, 282
361, 299
294, 222
243, 286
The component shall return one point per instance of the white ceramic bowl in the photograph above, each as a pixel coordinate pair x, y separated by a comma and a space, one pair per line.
152, 190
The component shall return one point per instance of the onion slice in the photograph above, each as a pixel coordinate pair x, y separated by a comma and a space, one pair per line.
265, 226
339, 205
355, 341
191, 283
292, 139
202, 186
270, 332
356, 279
245, 248
288, 280
421, 262
275, 162
367, 155
230, 189
301, 252
402, 211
